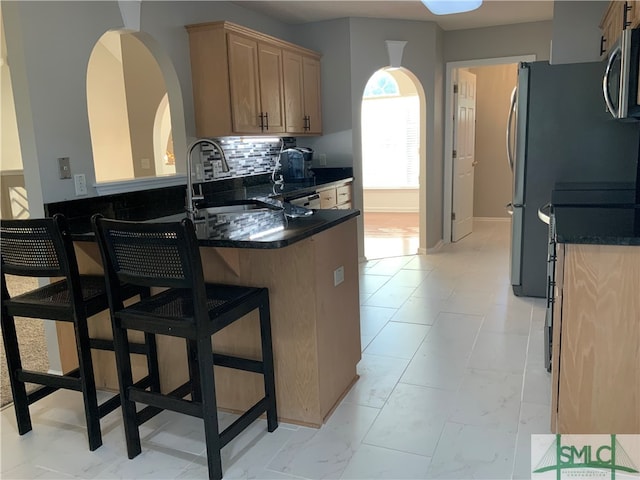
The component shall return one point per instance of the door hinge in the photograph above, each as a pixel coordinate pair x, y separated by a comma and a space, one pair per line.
454, 154
453, 215
455, 88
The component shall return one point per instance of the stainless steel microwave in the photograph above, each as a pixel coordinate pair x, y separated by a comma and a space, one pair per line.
621, 77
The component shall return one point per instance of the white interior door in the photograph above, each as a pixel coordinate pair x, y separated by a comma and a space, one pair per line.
464, 158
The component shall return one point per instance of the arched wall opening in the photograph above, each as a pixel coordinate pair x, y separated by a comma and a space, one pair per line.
393, 126
134, 125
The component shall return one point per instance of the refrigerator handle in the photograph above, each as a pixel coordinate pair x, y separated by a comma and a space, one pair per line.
545, 216
512, 111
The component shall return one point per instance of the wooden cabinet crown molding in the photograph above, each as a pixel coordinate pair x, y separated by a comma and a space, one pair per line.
254, 34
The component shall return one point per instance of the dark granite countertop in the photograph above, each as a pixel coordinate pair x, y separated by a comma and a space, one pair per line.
596, 213
154, 203
280, 232
263, 229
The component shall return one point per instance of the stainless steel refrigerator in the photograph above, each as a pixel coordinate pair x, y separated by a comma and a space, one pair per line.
559, 131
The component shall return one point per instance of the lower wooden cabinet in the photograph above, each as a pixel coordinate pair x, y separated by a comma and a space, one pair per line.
596, 340
336, 197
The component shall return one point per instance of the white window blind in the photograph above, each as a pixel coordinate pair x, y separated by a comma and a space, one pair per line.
390, 141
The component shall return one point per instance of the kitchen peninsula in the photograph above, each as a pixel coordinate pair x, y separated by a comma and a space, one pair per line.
310, 266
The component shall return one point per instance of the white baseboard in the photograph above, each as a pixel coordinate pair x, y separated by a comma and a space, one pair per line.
491, 219
391, 210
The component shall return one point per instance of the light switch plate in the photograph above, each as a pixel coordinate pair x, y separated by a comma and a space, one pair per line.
64, 167
338, 276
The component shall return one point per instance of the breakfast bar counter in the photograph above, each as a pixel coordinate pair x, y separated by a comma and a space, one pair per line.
310, 266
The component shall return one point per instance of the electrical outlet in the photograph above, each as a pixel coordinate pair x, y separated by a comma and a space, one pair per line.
64, 167
145, 163
80, 182
323, 159
338, 276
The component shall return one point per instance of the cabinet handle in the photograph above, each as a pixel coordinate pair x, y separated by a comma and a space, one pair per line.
261, 121
266, 118
602, 42
625, 11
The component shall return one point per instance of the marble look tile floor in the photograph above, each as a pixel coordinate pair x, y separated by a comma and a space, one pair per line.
451, 386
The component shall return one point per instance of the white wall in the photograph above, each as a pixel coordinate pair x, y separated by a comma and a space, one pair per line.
576, 32
496, 42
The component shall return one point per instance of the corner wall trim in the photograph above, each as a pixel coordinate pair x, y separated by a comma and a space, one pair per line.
433, 249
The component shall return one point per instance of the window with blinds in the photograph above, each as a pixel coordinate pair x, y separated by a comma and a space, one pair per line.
390, 141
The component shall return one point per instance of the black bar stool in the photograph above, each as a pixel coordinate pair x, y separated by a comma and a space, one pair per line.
43, 248
167, 255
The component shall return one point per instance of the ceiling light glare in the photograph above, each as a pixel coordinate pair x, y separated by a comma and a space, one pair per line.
448, 7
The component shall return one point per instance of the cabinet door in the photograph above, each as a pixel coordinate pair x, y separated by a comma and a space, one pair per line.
634, 13
599, 366
311, 88
293, 93
244, 84
343, 196
271, 88
612, 24
328, 198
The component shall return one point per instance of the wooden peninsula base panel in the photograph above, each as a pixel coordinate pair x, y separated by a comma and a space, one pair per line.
315, 325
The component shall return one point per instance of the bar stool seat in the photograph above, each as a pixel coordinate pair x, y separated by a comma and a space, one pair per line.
167, 255
43, 248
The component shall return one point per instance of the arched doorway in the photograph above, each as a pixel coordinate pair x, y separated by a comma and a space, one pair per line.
393, 125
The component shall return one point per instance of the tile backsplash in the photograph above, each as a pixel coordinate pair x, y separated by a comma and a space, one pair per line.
245, 156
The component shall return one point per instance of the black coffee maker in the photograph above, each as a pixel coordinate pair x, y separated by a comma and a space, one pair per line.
295, 164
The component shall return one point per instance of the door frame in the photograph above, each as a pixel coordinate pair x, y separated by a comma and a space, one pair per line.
451, 67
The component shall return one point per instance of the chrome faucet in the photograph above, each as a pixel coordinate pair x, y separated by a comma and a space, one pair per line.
192, 197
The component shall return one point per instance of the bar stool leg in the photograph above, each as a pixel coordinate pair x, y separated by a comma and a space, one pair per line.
152, 361
88, 383
14, 364
267, 361
209, 407
125, 380
194, 370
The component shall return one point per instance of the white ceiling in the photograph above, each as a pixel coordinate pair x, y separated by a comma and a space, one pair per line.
491, 13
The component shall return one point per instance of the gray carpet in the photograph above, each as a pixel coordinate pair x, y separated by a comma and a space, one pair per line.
33, 348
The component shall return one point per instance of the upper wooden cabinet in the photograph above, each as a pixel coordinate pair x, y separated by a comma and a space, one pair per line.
241, 83
618, 16
302, 94
255, 81
633, 14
